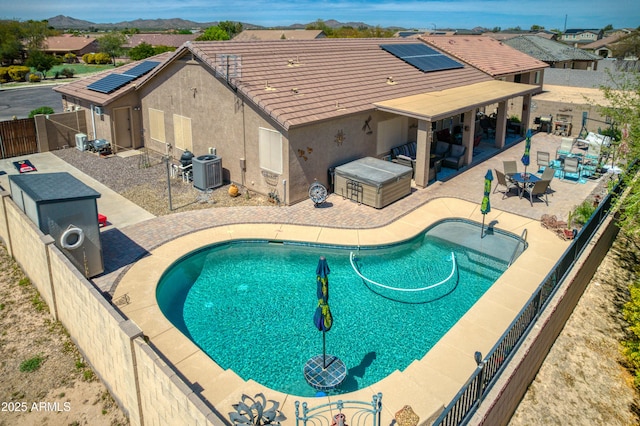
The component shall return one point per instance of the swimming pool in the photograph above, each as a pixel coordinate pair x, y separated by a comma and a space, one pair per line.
249, 304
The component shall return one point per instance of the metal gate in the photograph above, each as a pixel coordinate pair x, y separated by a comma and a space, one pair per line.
18, 137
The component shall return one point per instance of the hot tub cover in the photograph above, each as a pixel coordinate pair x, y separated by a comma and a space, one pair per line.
374, 171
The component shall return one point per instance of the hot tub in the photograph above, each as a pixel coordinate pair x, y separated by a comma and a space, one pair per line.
376, 183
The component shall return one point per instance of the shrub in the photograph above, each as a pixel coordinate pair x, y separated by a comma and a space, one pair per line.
18, 72
34, 78
89, 58
4, 74
67, 72
583, 212
102, 58
42, 110
70, 58
31, 364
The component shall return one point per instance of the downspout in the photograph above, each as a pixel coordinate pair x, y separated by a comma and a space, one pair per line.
93, 122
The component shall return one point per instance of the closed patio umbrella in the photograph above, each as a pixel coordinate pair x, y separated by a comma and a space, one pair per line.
526, 158
485, 207
322, 317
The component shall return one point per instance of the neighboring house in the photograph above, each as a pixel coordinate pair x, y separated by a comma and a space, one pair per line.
281, 114
172, 40
603, 47
556, 54
505, 35
580, 36
68, 43
483, 52
267, 35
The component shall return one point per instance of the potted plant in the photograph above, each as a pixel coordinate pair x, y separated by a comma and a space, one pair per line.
233, 190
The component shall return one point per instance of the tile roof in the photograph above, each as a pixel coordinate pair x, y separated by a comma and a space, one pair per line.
485, 53
174, 40
602, 42
298, 82
255, 35
66, 43
78, 89
549, 50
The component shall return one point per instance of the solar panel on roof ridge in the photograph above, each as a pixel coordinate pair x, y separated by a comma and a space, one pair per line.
422, 57
110, 83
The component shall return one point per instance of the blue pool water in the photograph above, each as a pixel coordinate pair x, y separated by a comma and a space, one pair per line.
249, 305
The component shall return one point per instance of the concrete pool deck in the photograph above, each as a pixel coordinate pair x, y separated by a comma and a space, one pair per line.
428, 383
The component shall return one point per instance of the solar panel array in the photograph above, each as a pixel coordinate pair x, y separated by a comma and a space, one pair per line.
113, 82
141, 69
422, 57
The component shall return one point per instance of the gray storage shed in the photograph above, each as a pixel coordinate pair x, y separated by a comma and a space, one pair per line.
65, 208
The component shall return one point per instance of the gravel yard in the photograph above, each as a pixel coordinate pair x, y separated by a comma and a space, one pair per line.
142, 178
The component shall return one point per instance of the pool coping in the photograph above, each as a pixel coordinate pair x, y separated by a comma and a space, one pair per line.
427, 384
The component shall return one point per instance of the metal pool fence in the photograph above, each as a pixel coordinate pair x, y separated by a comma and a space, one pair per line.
465, 403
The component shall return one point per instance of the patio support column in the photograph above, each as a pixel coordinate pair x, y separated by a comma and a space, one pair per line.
468, 132
526, 112
501, 124
423, 151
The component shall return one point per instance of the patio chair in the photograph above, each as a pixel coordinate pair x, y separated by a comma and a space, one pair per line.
538, 189
548, 174
510, 168
501, 180
543, 159
455, 159
442, 149
571, 166
565, 147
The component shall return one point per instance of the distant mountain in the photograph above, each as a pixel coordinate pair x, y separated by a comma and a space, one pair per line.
68, 23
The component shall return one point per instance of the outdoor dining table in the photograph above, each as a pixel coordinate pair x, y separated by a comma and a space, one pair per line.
522, 179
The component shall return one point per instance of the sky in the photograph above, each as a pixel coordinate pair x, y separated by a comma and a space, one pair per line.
426, 14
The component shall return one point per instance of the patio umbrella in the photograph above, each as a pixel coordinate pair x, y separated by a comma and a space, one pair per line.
527, 148
485, 207
322, 318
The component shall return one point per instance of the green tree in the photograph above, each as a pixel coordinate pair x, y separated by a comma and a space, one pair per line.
35, 33
141, 51
10, 45
232, 28
213, 33
607, 28
40, 61
537, 28
623, 107
111, 44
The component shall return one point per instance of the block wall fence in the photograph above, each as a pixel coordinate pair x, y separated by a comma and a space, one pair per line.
145, 387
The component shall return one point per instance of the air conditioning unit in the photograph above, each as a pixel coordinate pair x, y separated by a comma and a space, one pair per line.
98, 110
207, 171
81, 142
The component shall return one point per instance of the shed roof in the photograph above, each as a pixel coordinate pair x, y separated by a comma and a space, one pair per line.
445, 103
487, 54
46, 188
549, 50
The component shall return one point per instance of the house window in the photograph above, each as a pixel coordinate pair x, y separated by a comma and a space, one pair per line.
270, 150
182, 132
536, 78
517, 78
156, 125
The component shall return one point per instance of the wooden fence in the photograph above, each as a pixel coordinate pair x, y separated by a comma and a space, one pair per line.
18, 137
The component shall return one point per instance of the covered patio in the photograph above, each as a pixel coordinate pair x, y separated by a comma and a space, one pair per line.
428, 108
